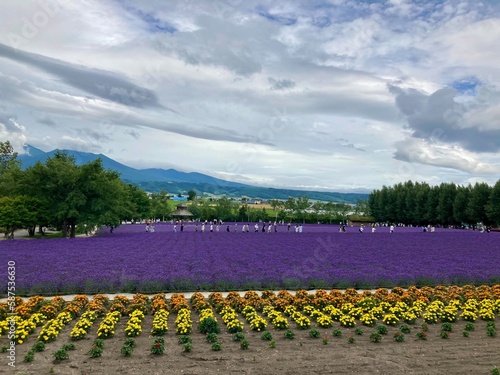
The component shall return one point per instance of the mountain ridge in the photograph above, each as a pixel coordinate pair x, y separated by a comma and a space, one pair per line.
172, 180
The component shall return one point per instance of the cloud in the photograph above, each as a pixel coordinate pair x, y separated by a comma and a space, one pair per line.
420, 151
103, 84
440, 117
281, 84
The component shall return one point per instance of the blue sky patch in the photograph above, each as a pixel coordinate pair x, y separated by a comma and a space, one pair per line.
466, 86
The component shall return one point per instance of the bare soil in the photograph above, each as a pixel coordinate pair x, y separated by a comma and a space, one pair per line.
477, 354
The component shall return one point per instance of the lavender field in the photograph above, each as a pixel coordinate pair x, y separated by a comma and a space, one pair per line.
130, 259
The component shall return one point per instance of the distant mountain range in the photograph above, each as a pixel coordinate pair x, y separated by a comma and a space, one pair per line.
173, 181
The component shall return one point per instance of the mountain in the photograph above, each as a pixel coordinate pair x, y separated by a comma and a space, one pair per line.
33, 155
173, 181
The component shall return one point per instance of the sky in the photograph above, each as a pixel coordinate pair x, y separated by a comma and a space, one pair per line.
340, 95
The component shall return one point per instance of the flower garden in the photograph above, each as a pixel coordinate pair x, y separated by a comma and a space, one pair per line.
97, 326
425, 299
130, 260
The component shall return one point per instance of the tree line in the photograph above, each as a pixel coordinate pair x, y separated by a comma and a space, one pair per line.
418, 203
66, 196
73, 198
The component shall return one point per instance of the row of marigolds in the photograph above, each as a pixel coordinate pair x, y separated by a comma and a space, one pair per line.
252, 307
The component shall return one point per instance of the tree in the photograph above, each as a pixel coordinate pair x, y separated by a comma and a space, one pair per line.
276, 205
138, 203
460, 204
479, 197
290, 207
10, 170
191, 195
159, 205
493, 206
15, 214
317, 208
302, 204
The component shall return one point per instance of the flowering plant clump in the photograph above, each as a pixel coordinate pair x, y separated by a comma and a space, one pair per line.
178, 302
409, 317
230, 319
368, 319
158, 346
159, 302
390, 319
375, 337
134, 324
107, 327
276, 318
422, 335
50, 331
347, 321
97, 348
183, 322
334, 312
160, 322
83, 325
257, 323
449, 314
301, 321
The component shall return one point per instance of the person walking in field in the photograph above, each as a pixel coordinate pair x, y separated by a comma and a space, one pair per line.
256, 228
391, 229
202, 227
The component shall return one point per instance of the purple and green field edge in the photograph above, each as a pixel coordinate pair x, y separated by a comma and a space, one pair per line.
131, 260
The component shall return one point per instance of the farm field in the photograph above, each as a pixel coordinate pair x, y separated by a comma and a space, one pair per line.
441, 329
131, 260
417, 331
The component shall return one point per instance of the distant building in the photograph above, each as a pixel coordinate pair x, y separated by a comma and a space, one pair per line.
182, 212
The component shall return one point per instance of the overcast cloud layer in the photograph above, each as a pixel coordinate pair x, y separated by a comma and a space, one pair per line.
341, 95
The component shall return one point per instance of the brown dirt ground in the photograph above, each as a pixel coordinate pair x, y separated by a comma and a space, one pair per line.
477, 354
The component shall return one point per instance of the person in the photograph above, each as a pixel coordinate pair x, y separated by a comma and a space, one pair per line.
151, 229
202, 227
256, 228
269, 228
182, 226
263, 227
433, 229
275, 227
296, 228
211, 227
196, 228
391, 229
373, 229
361, 228
289, 225
175, 228
217, 228
300, 228
147, 227
235, 227
227, 229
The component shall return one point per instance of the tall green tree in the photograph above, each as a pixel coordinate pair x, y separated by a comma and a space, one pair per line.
493, 206
276, 204
301, 205
479, 198
160, 208
10, 170
15, 214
